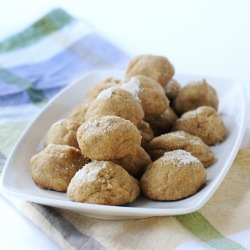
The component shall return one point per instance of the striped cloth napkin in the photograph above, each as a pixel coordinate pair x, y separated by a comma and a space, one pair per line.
37, 63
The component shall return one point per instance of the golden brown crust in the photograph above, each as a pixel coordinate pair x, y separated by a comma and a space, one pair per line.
146, 132
174, 176
77, 114
118, 102
204, 122
193, 95
54, 166
108, 138
151, 95
103, 182
163, 123
157, 67
172, 89
99, 87
63, 132
181, 140
135, 164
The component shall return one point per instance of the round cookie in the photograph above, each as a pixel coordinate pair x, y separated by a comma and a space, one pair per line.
118, 102
77, 114
157, 67
174, 176
204, 122
163, 123
151, 95
146, 132
54, 166
99, 87
193, 95
108, 138
181, 140
135, 164
103, 182
63, 132
172, 89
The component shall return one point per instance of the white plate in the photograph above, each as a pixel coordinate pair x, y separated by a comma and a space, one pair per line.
16, 179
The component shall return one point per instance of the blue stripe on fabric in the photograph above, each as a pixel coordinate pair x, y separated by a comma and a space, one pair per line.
89, 53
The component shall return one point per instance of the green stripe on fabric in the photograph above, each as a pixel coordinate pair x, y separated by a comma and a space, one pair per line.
36, 95
53, 21
199, 226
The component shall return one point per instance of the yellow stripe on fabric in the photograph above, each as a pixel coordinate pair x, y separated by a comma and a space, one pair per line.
200, 227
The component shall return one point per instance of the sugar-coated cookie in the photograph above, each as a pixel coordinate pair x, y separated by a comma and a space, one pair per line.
150, 94
181, 140
175, 175
103, 182
99, 87
108, 138
157, 67
54, 166
195, 94
63, 132
204, 122
118, 102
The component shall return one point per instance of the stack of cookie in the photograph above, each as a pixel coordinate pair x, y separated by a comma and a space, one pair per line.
144, 134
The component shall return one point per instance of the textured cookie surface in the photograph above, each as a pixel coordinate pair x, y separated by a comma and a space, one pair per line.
204, 122
103, 182
174, 176
108, 138
54, 166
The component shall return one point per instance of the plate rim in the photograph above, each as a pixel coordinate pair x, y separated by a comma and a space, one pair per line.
126, 211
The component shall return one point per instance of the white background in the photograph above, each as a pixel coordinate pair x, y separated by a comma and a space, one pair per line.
209, 38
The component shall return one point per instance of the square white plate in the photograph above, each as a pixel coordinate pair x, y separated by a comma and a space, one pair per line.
16, 178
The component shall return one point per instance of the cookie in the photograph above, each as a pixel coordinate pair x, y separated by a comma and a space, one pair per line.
99, 87
181, 140
150, 94
157, 67
174, 176
77, 114
103, 182
118, 102
164, 122
135, 164
172, 89
54, 166
204, 122
195, 94
146, 132
108, 138
63, 132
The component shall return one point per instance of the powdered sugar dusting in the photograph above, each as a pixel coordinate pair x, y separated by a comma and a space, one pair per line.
89, 172
193, 113
104, 124
132, 86
180, 157
106, 93
184, 136
178, 134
